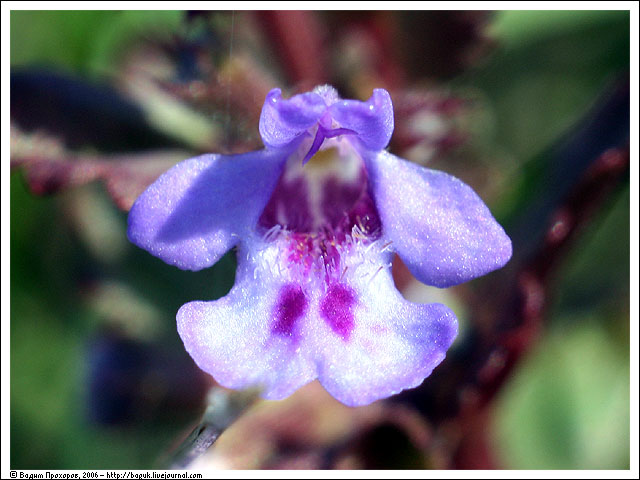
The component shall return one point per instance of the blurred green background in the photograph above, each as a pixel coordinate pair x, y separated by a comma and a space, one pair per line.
567, 406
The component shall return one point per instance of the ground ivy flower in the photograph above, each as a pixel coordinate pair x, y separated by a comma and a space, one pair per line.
316, 217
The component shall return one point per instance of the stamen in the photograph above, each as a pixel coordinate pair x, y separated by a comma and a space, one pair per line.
321, 134
338, 131
315, 146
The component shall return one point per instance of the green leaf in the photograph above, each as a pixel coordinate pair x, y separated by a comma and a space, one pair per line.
568, 405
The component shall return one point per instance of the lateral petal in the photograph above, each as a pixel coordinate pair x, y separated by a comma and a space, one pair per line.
195, 212
438, 225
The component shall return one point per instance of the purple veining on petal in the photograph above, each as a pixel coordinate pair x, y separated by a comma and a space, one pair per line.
336, 309
365, 215
288, 206
343, 201
311, 252
339, 198
292, 305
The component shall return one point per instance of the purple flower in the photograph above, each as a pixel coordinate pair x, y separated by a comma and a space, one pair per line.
317, 216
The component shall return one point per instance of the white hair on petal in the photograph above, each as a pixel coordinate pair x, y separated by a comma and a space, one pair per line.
319, 259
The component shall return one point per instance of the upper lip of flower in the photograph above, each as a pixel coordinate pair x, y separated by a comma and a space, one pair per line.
316, 299
283, 121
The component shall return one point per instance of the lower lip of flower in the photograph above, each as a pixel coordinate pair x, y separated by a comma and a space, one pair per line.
317, 228
317, 206
336, 309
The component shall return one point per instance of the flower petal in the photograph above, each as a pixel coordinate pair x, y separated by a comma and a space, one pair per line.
439, 226
252, 337
195, 212
371, 120
393, 344
281, 121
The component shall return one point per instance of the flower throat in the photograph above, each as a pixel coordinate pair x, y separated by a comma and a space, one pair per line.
319, 207
324, 198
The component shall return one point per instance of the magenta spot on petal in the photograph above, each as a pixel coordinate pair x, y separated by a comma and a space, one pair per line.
291, 306
335, 308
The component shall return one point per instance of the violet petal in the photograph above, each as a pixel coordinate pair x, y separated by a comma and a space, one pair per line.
251, 337
372, 120
281, 121
195, 212
438, 225
392, 345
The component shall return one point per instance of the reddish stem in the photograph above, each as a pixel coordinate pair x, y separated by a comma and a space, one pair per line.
297, 39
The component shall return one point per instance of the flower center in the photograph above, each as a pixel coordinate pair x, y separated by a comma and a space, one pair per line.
316, 208
322, 234
328, 195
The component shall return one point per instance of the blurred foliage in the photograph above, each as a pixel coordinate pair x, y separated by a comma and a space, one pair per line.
540, 83
54, 324
550, 70
567, 407
87, 42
